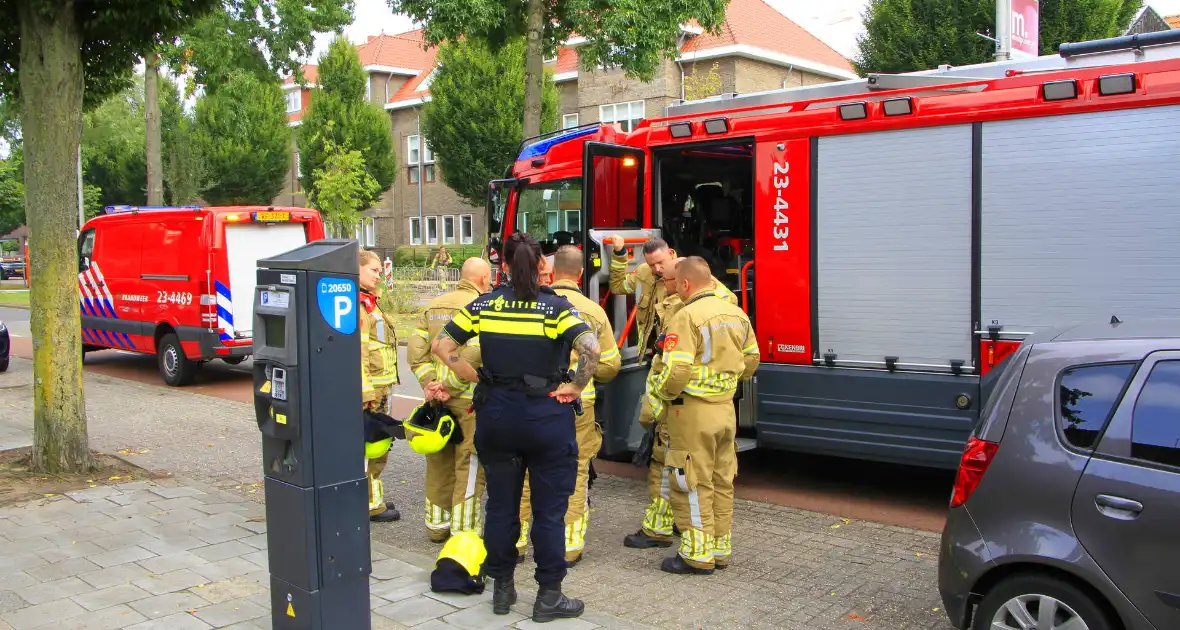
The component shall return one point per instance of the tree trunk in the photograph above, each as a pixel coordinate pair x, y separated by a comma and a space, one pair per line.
151, 101
51, 88
533, 70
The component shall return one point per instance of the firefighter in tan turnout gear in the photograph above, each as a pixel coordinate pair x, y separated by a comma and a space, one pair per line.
657, 529
454, 478
709, 347
378, 376
644, 283
567, 271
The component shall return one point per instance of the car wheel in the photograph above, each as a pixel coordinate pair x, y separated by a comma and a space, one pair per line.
1039, 602
234, 360
176, 369
4, 364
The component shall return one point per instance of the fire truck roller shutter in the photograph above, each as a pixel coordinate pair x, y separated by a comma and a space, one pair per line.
893, 260
1079, 219
245, 244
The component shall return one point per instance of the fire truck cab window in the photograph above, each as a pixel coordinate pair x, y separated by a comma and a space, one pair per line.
706, 204
551, 212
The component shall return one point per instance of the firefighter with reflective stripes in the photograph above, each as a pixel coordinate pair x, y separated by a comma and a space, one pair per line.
645, 284
378, 376
567, 271
454, 478
526, 421
658, 525
709, 347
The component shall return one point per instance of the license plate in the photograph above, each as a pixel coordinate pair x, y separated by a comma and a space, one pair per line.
268, 217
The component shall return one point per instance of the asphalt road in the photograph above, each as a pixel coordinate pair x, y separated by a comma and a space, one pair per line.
896, 495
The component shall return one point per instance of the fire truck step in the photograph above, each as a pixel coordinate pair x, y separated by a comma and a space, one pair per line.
746, 444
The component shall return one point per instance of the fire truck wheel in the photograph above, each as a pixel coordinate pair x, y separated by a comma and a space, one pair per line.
174, 367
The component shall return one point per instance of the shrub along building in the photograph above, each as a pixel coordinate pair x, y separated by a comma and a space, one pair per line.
757, 49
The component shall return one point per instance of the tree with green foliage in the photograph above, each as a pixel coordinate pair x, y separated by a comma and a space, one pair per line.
185, 174
340, 118
112, 148
473, 118
912, 35
263, 37
12, 192
634, 36
1065, 21
54, 56
342, 186
242, 135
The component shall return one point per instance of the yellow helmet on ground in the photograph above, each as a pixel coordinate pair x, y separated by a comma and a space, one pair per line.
374, 450
459, 567
429, 428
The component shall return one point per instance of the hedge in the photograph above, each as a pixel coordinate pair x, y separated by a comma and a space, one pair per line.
423, 255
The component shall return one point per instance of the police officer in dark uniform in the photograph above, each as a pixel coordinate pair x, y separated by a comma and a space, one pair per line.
525, 401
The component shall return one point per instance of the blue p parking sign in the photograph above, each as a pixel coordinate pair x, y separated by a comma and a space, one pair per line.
337, 300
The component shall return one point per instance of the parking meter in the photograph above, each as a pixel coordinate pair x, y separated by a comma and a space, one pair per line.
307, 400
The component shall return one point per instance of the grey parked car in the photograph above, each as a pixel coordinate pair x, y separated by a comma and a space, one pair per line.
1066, 510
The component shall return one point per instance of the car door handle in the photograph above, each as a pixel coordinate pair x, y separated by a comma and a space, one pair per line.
1118, 507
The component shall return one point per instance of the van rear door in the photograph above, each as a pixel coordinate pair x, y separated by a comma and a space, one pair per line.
245, 244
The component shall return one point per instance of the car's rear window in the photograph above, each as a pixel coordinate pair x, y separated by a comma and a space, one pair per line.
1087, 396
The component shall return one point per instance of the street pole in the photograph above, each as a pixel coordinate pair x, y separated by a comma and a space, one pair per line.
1003, 30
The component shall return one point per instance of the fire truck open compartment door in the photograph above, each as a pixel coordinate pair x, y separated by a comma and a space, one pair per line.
893, 248
612, 198
1079, 219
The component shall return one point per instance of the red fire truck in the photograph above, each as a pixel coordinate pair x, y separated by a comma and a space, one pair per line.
178, 282
892, 238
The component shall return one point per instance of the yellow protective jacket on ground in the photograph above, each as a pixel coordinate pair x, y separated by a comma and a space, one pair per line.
427, 367
709, 347
378, 353
610, 360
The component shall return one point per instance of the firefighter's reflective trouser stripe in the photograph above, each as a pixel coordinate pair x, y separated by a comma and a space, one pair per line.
657, 519
577, 515
702, 461
373, 468
455, 481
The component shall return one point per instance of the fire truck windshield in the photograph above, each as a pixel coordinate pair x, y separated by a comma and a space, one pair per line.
551, 212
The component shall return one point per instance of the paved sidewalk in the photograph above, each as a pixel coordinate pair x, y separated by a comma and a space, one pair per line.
793, 569
180, 555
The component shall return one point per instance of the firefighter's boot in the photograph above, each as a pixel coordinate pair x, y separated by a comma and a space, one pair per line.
640, 540
552, 604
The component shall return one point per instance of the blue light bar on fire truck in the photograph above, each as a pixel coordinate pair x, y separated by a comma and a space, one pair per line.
134, 209
541, 148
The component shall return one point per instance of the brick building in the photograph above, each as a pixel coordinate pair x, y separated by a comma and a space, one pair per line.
757, 49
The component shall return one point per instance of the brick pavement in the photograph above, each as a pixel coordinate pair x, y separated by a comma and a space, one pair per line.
175, 555
792, 569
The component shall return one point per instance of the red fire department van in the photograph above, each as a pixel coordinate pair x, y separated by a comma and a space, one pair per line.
178, 282
892, 238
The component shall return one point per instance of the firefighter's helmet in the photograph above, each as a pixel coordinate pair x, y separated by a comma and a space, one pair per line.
374, 450
429, 428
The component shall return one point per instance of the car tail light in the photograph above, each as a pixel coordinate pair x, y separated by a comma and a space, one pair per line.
976, 458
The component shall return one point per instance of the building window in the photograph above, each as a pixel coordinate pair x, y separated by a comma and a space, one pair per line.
448, 230
294, 100
368, 88
415, 231
415, 152
431, 230
626, 114
366, 233
569, 120
466, 230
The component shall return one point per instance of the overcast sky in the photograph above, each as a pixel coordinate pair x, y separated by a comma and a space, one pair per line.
836, 22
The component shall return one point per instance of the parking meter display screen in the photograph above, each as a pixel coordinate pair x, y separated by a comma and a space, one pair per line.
275, 331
